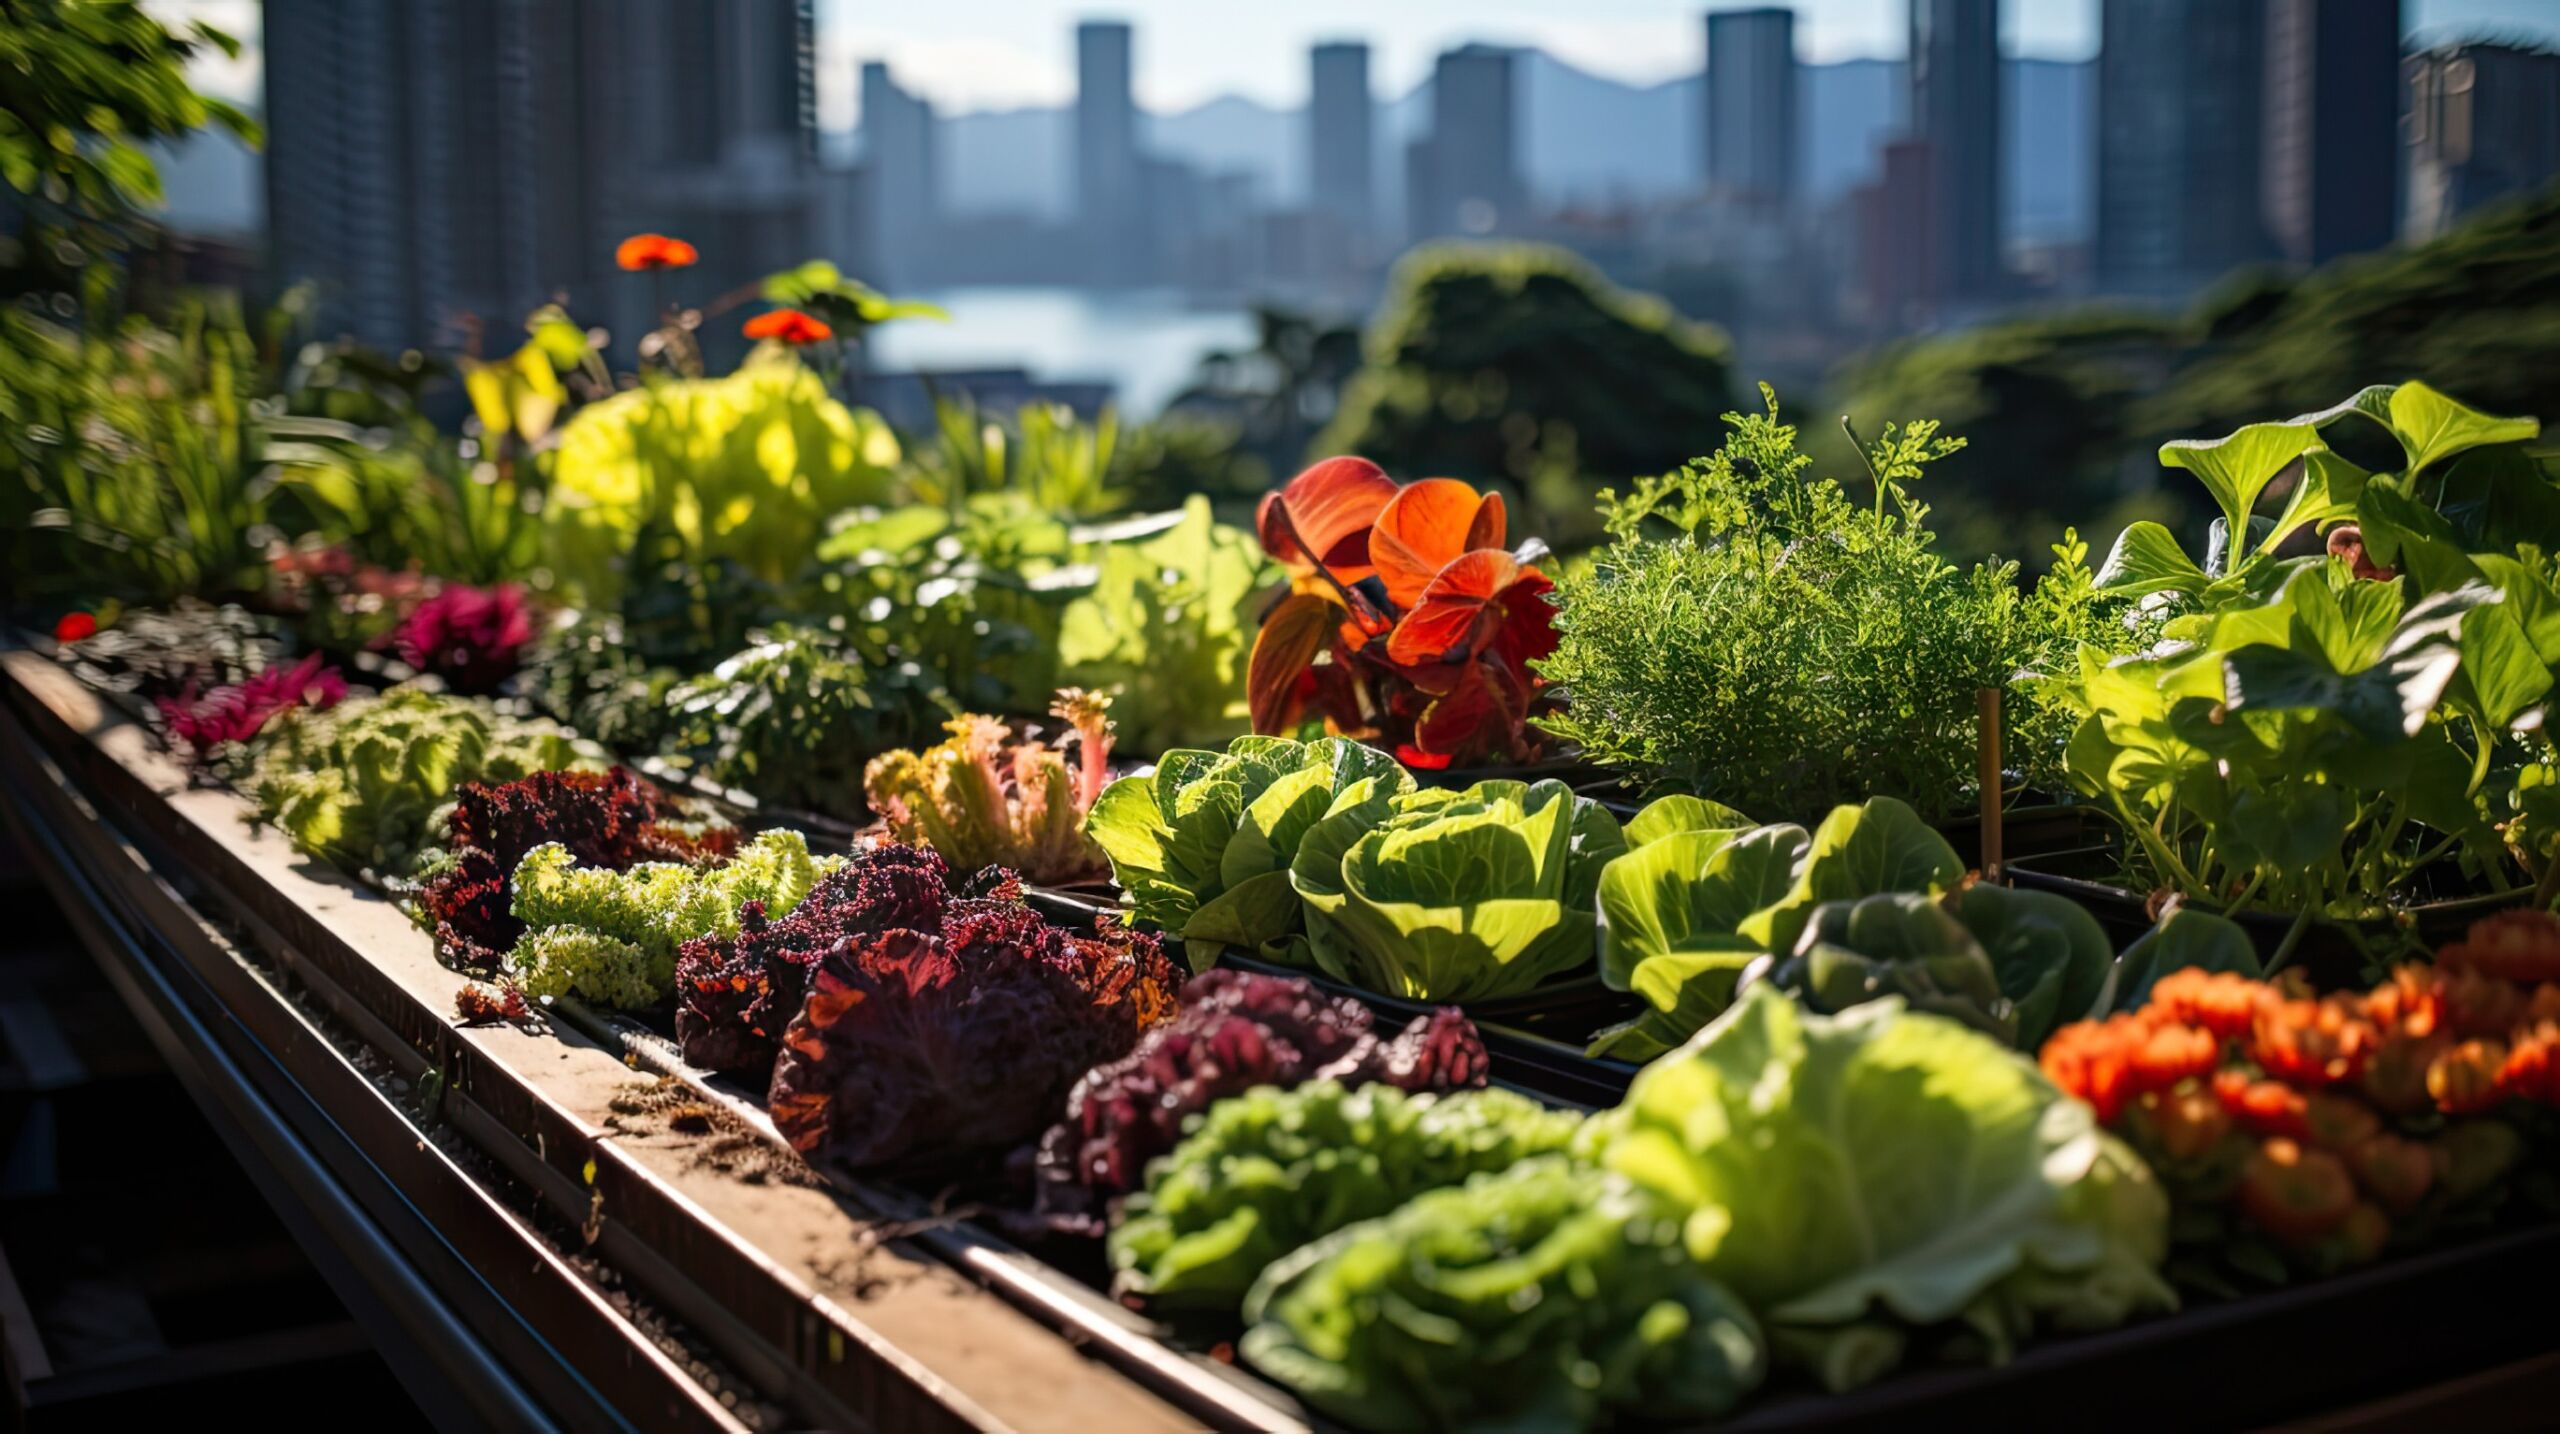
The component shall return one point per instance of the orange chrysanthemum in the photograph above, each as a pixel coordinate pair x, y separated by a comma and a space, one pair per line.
2219, 1001
790, 326
2521, 946
2464, 1080
654, 251
2310, 1042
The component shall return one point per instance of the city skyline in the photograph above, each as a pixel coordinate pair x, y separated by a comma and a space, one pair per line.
1013, 54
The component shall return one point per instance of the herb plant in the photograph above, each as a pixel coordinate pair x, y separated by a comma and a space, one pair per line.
981, 800
1758, 636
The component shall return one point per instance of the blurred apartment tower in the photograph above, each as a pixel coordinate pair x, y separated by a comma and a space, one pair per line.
2332, 127
2484, 125
1956, 82
2178, 143
1464, 178
899, 204
1750, 110
1341, 134
1897, 263
1110, 178
434, 162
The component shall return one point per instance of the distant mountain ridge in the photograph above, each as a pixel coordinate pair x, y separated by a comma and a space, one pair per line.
1587, 138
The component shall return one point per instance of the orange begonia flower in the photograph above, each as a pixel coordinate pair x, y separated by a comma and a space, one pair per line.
790, 326
654, 251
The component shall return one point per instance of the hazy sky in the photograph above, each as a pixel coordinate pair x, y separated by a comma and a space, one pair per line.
981, 54
993, 54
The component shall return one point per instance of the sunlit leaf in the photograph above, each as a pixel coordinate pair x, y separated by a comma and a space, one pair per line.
1427, 526
1283, 651
2433, 427
2237, 468
1332, 506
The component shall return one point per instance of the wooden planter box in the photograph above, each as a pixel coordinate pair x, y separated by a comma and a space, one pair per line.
541, 1229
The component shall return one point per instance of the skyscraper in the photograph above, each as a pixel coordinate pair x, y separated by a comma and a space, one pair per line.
438, 161
1340, 133
1955, 108
1107, 169
2332, 122
2178, 142
1751, 104
2484, 123
1465, 177
901, 195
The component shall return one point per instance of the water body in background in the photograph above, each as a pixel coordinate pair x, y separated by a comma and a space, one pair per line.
1145, 344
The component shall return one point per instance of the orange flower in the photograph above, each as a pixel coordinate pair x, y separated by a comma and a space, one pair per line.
2265, 1106
2219, 1001
790, 326
2110, 1062
2511, 946
2464, 1080
2312, 1042
654, 251
2532, 1068
2294, 1194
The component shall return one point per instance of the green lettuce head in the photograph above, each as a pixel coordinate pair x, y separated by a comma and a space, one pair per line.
1859, 1177
1202, 845
1703, 894
1455, 896
1547, 1296
1267, 1171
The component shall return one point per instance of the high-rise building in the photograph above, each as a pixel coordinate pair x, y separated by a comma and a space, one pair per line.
1751, 105
2332, 126
2178, 142
1108, 172
1896, 270
2484, 124
1465, 179
901, 195
1340, 134
436, 162
1955, 107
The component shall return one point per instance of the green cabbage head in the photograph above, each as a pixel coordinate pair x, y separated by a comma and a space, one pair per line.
1201, 846
1861, 1178
1455, 896
1549, 1296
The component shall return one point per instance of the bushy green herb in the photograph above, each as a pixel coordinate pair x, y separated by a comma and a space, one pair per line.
794, 717
1756, 635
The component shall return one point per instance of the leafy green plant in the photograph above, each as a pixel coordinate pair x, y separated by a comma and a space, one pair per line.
2338, 736
1044, 455
971, 599
363, 785
981, 800
1453, 896
132, 459
1756, 636
1165, 630
1963, 1193
1543, 1296
794, 716
744, 468
1274, 1168
1202, 846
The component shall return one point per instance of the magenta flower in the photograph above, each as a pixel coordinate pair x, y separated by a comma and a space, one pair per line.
239, 712
474, 638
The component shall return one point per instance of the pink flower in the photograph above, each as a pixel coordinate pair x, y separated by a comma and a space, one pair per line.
239, 712
474, 638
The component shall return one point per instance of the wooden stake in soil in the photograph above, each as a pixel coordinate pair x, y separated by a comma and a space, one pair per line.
1987, 775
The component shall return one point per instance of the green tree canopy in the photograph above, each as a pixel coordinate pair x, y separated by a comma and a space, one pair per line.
1520, 365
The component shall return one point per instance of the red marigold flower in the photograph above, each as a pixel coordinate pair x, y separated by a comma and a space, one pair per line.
2395, 1075
74, 626
654, 251
2187, 1123
2519, 946
790, 326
